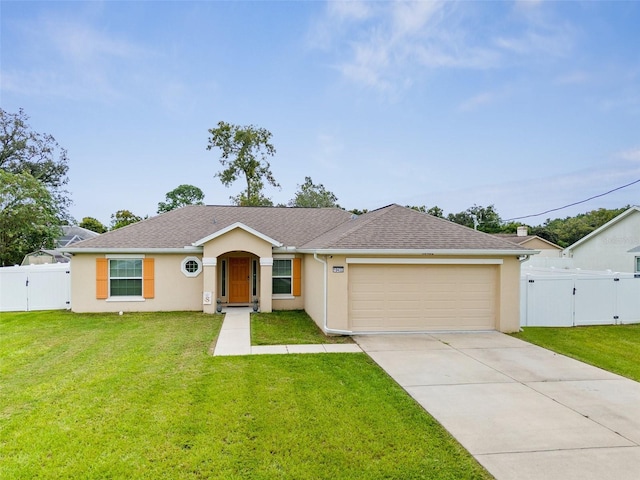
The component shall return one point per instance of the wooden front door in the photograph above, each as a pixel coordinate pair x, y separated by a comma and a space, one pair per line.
239, 280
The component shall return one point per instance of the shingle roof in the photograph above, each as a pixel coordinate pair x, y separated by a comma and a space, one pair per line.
396, 227
184, 226
391, 227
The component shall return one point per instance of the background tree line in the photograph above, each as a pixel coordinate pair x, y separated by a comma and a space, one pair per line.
34, 202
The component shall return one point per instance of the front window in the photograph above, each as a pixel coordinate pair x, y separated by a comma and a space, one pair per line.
191, 266
281, 275
125, 277
637, 264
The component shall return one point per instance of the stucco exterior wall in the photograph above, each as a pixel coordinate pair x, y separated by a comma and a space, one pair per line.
237, 240
173, 290
338, 292
546, 250
313, 288
507, 296
295, 303
608, 250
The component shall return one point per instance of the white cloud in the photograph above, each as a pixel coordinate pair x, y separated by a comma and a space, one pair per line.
477, 101
410, 18
631, 155
387, 45
548, 42
71, 58
349, 10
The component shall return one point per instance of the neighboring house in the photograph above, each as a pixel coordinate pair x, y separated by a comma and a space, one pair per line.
614, 246
390, 270
70, 234
534, 242
550, 254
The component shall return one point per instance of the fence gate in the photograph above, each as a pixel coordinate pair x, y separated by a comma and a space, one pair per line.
567, 300
35, 287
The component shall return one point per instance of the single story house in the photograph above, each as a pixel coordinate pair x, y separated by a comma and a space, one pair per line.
390, 270
522, 238
550, 254
614, 246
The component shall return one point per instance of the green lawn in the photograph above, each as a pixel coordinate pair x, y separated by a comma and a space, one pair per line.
290, 327
613, 347
137, 396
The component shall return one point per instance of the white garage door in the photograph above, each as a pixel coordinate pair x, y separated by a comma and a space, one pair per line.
422, 297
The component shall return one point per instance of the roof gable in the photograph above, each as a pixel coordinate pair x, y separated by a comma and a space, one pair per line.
525, 239
241, 226
609, 224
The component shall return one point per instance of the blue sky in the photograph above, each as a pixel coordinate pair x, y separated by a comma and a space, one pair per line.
524, 105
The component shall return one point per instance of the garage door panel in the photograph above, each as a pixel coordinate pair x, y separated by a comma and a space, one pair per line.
422, 297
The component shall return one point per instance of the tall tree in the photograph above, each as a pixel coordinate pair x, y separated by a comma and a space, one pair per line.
28, 220
93, 224
244, 153
571, 229
434, 211
40, 155
484, 219
314, 196
181, 196
122, 218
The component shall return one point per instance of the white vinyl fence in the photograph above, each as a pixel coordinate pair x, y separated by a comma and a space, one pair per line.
573, 298
35, 287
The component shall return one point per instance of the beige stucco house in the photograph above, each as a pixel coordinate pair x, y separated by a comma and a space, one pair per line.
390, 270
550, 254
533, 242
614, 246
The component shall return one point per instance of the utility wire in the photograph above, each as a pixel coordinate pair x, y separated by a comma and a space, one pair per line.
576, 203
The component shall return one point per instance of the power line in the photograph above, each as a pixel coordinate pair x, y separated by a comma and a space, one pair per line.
576, 203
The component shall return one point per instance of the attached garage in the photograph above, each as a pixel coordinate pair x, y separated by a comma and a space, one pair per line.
422, 297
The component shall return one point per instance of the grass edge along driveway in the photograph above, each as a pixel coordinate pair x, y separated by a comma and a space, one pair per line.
137, 396
615, 348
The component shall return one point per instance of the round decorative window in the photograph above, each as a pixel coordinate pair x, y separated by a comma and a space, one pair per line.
191, 266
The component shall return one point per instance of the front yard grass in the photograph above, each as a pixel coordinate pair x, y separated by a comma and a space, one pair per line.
137, 396
615, 348
289, 327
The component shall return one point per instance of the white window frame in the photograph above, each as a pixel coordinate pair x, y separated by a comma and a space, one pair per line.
290, 276
187, 273
125, 298
637, 264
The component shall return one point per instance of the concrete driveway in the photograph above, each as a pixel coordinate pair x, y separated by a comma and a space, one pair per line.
522, 411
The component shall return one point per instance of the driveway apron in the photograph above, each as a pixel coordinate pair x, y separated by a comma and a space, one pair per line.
522, 411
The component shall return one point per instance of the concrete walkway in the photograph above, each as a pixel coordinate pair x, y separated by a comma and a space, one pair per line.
522, 411
235, 339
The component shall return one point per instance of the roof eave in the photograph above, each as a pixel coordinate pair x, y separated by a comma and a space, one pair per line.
417, 251
186, 249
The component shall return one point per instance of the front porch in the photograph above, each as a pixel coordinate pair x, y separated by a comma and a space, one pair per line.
235, 279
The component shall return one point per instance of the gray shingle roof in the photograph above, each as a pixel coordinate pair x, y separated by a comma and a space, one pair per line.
391, 227
396, 227
184, 226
